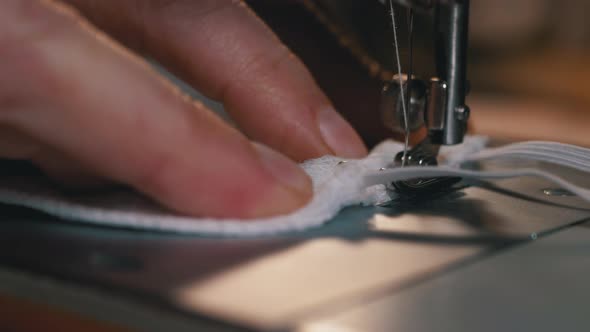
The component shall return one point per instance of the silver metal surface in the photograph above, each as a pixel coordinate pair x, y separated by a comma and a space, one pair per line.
278, 282
542, 286
391, 104
456, 71
557, 192
437, 99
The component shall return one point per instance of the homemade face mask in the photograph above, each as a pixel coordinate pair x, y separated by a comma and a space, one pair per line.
337, 183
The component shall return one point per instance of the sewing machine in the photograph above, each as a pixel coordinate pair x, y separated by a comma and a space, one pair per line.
507, 256
438, 104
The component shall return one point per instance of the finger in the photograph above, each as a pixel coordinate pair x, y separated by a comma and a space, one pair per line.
16, 145
228, 53
100, 105
67, 172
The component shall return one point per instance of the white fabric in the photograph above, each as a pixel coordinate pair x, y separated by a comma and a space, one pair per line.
336, 185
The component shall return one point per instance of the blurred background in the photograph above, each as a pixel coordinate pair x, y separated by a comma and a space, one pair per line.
529, 61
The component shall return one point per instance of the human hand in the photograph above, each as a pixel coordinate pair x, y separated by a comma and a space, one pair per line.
86, 109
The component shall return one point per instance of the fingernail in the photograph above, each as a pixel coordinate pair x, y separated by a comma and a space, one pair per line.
285, 171
339, 135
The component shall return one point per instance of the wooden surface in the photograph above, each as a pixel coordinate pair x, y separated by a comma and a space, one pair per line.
530, 119
539, 95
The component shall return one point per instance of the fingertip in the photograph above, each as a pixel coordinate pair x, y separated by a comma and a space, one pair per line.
249, 182
283, 170
294, 187
283, 202
339, 134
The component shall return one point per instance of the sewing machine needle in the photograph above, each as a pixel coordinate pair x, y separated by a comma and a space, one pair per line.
401, 84
410, 72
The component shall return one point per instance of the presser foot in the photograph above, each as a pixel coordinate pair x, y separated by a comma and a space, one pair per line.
423, 154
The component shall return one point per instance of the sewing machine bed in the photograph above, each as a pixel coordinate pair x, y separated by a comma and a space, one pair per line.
508, 256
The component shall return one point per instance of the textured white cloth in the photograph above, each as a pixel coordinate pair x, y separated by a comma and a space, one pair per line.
336, 184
